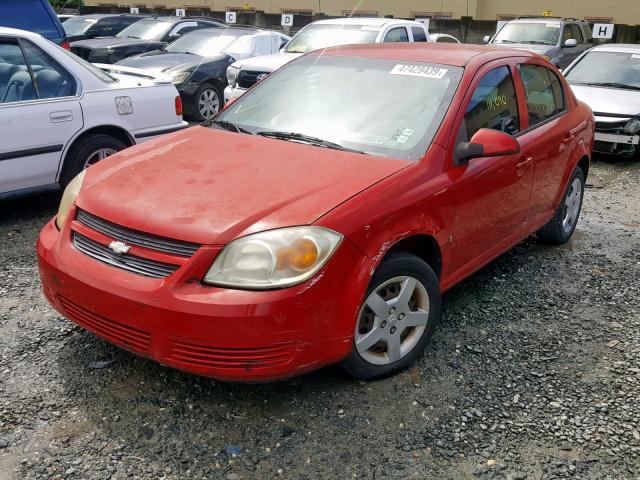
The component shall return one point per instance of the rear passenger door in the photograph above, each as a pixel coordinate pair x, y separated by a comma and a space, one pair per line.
39, 113
548, 138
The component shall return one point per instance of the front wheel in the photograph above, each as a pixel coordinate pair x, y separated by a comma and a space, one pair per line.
207, 102
397, 318
561, 227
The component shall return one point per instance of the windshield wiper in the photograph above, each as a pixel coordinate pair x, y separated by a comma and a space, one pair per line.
227, 126
535, 42
608, 84
299, 137
505, 41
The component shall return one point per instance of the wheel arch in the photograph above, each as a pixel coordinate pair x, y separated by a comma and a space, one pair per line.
423, 246
117, 132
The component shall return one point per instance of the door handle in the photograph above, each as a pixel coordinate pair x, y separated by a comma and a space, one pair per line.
61, 116
524, 162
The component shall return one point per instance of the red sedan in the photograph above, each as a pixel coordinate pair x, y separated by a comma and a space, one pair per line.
323, 214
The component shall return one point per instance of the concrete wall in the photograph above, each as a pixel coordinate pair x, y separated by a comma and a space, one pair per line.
620, 11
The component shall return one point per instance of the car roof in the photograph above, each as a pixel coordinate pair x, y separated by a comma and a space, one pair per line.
108, 15
228, 31
557, 20
366, 21
454, 54
617, 47
17, 31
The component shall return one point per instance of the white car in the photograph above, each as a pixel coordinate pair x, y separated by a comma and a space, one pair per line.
60, 114
243, 74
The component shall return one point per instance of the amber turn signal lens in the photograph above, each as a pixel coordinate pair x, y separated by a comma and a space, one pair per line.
300, 255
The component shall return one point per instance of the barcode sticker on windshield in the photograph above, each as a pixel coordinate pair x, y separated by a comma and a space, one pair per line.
635, 55
419, 71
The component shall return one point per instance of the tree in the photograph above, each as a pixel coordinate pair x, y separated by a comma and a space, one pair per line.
66, 3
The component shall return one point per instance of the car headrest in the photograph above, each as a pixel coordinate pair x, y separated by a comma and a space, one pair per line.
50, 84
19, 88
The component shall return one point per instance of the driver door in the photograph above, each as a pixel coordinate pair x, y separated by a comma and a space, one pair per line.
491, 193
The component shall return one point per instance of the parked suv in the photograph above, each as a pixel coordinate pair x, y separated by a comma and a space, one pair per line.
559, 40
35, 16
322, 34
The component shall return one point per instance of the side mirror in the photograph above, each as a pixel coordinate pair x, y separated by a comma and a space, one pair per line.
486, 39
486, 143
570, 43
174, 36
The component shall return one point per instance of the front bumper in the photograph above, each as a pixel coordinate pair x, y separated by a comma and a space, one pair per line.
614, 143
227, 334
231, 93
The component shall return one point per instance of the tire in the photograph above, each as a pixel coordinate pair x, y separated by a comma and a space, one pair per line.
395, 272
561, 227
87, 151
210, 89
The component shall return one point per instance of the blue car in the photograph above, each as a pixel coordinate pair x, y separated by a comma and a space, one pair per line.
34, 16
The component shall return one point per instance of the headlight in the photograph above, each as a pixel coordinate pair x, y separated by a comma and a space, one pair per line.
232, 75
633, 126
273, 259
68, 197
179, 78
548, 59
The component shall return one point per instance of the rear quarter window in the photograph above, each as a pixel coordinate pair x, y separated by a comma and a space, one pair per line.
419, 35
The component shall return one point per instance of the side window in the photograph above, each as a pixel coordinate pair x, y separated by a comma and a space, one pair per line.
572, 30
51, 80
494, 104
576, 32
545, 96
183, 28
419, 35
15, 81
108, 27
398, 34
587, 34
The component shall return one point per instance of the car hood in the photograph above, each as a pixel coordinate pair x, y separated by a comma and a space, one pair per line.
268, 63
210, 186
161, 61
609, 100
111, 42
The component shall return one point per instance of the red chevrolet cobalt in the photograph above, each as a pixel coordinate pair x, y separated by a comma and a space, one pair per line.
322, 216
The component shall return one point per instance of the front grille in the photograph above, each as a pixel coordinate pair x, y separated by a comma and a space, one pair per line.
245, 358
134, 237
116, 332
131, 263
614, 126
247, 79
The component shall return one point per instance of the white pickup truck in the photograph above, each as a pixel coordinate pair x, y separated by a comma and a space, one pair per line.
243, 74
60, 114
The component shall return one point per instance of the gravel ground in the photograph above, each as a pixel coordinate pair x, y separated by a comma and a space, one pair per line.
534, 373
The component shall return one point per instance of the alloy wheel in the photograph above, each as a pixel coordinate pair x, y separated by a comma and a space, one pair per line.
208, 103
98, 155
572, 205
392, 320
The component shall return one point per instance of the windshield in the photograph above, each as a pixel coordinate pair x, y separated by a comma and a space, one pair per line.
607, 67
203, 42
381, 107
533, 33
146, 29
316, 37
77, 26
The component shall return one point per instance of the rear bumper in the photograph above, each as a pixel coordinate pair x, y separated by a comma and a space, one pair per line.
222, 333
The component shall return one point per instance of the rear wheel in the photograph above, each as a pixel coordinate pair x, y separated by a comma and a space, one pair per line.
207, 102
561, 227
397, 318
86, 152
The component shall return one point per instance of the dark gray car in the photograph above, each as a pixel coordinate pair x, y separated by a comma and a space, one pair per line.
560, 40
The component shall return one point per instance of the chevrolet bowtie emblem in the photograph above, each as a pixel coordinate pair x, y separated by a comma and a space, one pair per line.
119, 247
